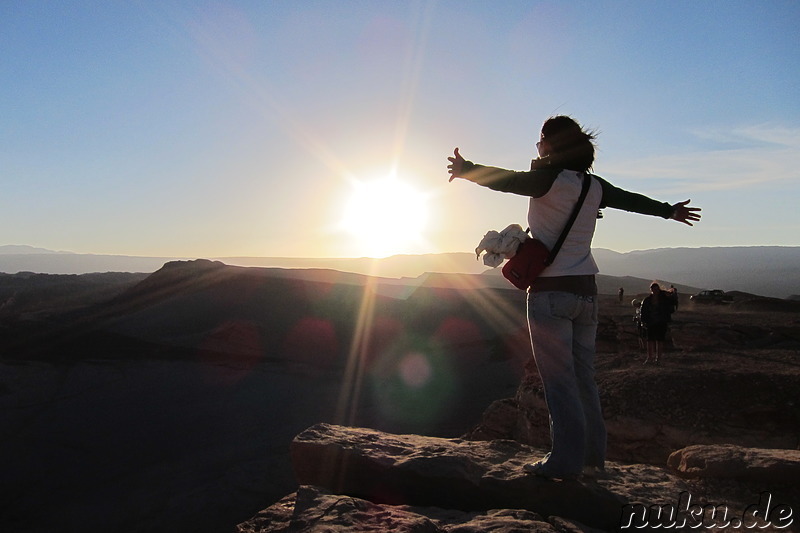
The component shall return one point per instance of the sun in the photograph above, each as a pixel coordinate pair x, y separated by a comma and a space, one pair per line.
385, 216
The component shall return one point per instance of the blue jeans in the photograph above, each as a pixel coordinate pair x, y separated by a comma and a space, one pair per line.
563, 328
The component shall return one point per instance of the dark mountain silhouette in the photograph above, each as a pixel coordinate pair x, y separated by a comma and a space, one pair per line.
26, 293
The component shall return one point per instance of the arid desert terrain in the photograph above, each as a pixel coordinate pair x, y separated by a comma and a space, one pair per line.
170, 401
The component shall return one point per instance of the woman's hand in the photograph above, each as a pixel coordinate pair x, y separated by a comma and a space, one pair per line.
683, 213
455, 166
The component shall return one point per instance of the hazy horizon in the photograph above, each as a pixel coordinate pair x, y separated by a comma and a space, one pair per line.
765, 270
22, 249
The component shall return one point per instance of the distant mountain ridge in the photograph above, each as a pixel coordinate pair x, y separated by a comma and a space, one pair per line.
12, 249
764, 270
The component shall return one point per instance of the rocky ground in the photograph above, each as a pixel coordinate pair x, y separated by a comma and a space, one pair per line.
715, 424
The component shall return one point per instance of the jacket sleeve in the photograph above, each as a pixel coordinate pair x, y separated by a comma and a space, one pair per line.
533, 183
617, 198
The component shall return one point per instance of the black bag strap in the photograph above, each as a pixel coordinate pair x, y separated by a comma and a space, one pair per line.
587, 180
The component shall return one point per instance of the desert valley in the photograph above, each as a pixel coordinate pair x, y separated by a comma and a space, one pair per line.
210, 397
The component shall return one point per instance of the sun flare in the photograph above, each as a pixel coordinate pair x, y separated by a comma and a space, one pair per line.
385, 216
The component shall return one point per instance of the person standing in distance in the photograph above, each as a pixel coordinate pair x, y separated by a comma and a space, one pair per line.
562, 302
657, 309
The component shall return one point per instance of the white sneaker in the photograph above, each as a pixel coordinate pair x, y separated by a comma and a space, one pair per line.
539, 469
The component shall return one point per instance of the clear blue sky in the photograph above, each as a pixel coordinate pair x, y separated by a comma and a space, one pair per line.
207, 129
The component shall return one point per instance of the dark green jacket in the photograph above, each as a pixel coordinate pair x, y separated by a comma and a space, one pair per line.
537, 182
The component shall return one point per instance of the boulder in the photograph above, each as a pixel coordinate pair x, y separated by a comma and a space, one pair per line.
500, 421
447, 473
769, 466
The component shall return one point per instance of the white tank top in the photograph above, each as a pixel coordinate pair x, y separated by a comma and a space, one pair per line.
548, 215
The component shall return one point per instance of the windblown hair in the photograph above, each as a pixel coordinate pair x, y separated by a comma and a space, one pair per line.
572, 147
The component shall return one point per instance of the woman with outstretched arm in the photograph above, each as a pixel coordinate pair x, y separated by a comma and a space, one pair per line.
562, 301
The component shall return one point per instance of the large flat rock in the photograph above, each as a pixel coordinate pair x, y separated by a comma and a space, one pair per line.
447, 473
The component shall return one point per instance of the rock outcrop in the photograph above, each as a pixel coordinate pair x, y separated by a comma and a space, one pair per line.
315, 509
767, 466
447, 473
356, 479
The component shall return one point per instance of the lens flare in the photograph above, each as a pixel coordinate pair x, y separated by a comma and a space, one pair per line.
415, 370
414, 385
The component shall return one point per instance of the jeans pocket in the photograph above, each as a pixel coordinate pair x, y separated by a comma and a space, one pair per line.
563, 304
